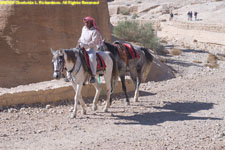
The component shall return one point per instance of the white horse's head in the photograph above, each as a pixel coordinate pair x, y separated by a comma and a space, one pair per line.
58, 63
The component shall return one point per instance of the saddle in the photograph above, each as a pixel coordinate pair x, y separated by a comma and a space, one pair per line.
86, 63
126, 51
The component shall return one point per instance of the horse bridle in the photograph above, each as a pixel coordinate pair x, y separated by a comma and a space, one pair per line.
62, 63
70, 71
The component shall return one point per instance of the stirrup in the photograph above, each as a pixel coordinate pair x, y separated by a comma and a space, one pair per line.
92, 79
66, 79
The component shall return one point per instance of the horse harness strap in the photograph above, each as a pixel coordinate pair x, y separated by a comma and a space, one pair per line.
132, 52
85, 61
70, 71
122, 51
126, 51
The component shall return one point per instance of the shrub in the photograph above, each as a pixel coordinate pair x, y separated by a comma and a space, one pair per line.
134, 16
143, 34
197, 61
212, 58
175, 51
126, 30
164, 41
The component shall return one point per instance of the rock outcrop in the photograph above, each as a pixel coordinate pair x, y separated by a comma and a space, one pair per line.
27, 32
159, 71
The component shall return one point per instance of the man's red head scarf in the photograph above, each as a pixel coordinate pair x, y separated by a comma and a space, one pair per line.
92, 20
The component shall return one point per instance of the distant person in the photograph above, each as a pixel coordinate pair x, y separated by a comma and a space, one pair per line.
195, 14
171, 16
191, 15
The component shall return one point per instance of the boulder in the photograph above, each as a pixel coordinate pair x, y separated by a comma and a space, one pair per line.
113, 10
159, 71
143, 8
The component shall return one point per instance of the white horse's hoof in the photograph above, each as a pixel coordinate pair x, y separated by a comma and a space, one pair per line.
73, 115
84, 112
105, 110
127, 103
135, 100
94, 107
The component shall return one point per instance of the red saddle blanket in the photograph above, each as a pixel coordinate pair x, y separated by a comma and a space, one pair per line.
100, 61
132, 51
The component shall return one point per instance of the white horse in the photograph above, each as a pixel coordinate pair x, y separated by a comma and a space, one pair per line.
71, 60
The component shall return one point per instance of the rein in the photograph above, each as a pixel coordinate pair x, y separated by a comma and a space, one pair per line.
77, 69
70, 71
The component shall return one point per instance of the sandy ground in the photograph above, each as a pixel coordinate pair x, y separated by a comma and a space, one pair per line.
187, 112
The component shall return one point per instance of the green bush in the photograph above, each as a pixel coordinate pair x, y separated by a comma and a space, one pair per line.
134, 16
143, 34
126, 30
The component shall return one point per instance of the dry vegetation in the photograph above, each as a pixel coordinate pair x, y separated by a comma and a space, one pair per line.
212, 61
175, 51
197, 61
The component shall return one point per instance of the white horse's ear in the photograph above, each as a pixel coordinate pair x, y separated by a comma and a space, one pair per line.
53, 51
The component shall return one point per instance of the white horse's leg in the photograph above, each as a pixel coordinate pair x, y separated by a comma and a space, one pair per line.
108, 90
136, 95
97, 94
82, 104
80, 98
78, 88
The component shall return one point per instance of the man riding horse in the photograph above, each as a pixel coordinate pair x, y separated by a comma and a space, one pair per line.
90, 39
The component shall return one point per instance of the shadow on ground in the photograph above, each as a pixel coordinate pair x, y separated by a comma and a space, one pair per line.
169, 112
131, 95
193, 51
182, 63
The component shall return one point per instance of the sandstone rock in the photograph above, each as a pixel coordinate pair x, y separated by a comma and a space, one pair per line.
146, 7
134, 9
159, 71
48, 106
113, 10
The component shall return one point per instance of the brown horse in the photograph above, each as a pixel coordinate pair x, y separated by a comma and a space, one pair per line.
138, 68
